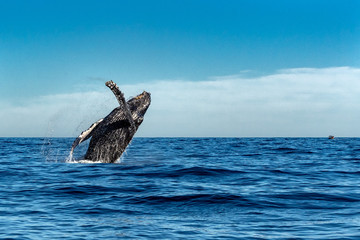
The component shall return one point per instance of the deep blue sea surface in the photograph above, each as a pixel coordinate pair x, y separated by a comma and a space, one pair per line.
183, 188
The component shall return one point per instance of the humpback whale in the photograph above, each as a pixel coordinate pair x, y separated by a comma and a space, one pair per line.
111, 135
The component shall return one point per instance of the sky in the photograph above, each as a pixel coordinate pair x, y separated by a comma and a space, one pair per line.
245, 68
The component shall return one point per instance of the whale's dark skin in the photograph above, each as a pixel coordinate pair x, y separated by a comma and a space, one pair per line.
111, 135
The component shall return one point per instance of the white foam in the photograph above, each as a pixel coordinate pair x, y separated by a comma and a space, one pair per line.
88, 161
70, 158
85, 161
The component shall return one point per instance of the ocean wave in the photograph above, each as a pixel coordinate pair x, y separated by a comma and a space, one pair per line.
192, 171
275, 188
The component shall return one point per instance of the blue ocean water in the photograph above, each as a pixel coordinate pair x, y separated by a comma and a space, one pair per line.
183, 188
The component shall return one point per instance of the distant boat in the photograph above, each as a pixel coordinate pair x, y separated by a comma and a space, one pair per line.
331, 137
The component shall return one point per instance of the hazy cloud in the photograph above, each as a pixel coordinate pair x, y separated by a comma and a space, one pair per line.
291, 102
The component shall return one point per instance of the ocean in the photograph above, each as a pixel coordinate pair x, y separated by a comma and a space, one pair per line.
182, 188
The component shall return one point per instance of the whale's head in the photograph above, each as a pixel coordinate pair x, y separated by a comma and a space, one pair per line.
138, 106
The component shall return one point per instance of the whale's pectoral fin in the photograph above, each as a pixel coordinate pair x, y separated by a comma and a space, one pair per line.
121, 99
85, 135
118, 94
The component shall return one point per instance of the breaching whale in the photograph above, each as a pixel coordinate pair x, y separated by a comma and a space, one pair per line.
111, 135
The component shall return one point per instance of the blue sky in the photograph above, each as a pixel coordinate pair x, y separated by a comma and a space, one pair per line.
56, 54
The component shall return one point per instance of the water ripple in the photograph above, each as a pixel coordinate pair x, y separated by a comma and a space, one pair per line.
183, 188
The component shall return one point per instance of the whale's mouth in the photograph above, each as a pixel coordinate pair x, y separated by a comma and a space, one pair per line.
138, 105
